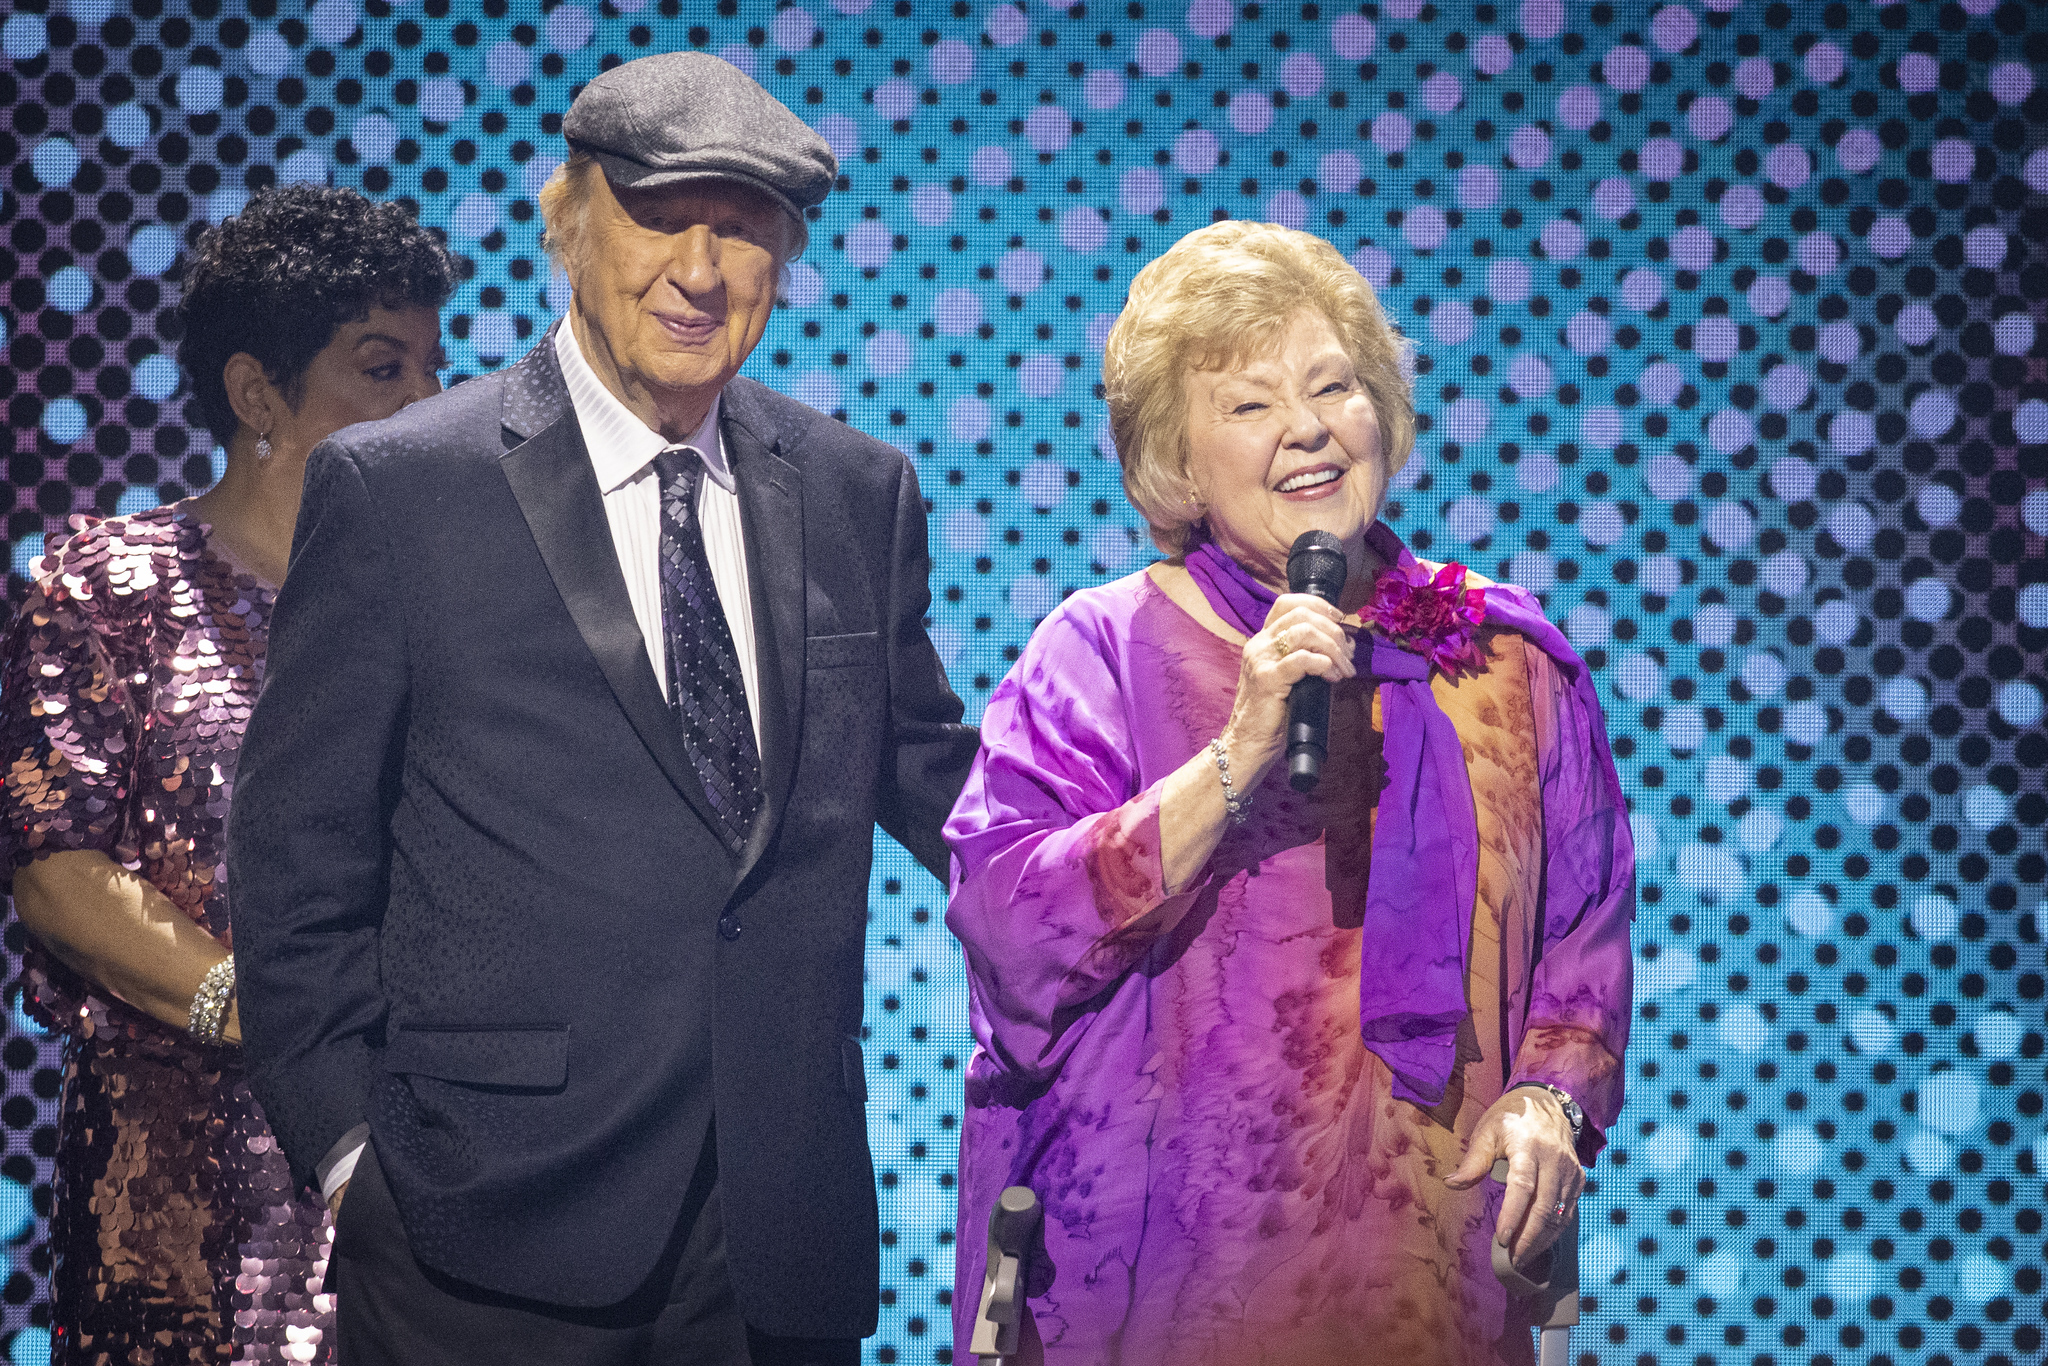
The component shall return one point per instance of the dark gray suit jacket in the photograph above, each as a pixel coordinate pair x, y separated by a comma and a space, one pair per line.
477, 894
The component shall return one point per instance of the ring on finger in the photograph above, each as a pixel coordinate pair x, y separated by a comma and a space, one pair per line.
1282, 647
1558, 1209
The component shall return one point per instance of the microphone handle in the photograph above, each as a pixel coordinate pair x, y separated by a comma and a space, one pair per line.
1308, 732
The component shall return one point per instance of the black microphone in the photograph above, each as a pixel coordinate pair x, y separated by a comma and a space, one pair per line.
1315, 565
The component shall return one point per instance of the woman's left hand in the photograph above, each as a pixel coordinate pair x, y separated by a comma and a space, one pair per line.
1528, 1127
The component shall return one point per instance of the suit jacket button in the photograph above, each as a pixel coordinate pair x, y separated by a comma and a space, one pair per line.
728, 926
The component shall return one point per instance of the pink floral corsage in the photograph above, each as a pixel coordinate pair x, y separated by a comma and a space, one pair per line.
1436, 617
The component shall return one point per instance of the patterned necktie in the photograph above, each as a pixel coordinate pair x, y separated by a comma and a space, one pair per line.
706, 690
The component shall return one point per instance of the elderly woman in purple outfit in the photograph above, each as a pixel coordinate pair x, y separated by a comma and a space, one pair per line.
1256, 1051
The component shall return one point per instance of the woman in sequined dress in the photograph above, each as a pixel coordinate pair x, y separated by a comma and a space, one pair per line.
176, 1234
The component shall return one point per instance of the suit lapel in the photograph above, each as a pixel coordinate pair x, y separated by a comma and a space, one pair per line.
772, 519
552, 479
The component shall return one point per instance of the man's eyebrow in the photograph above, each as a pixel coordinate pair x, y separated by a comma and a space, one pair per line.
384, 337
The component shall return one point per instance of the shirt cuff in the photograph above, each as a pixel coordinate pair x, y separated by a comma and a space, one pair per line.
339, 1165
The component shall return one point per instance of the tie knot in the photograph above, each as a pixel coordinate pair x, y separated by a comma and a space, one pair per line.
680, 468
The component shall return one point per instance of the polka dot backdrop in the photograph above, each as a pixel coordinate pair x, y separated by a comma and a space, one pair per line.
1728, 341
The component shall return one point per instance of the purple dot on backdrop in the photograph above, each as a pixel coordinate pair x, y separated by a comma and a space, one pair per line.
505, 65
1756, 78
1660, 382
741, 56
1211, 18
1478, 187
1613, 198
1021, 270
1196, 151
1578, 107
1952, 160
1541, 19
1794, 479
1509, 280
956, 312
1352, 37
842, 135
1466, 419
1537, 471
2014, 334
2011, 82
1858, 150
474, 217
1642, 289
1729, 430
1986, 247
1626, 67
1452, 324
1840, 342
1709, 118
441, 99
1769, 296
1851, 433
1339, 171
1403, 9
1661, 159
1082, 230
1932, 413
1668, 478
1006, 25
1562, 239
1742, 207
1141, 191
1492, 55
1789, 165
1158, 52
1288, 209
1825, 63
868, 244
1375, 264
1391, 132
1049, 128
1103, 89
1918, 73
1915, 324
1302, 75
1442, 93
1889, 238
888, 353
1251, 112
1692, 248
1424, 227
1587, 333
895, 98
1600, 427
794, 28
1819, 253
1673, 28
951, 61
1529, 376
969, 419
1041, 376
1528, 147
1716, 338
2036, 170
1730, 525
1099, 328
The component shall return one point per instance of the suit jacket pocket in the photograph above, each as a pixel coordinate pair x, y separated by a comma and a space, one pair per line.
524, 1057
839, 652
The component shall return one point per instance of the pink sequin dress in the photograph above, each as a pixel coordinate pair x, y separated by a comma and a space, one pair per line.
177, 1235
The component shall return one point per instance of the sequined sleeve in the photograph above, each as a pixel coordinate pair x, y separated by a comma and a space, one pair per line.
70, 710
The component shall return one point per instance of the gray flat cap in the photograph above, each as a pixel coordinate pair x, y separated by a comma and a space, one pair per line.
684, 116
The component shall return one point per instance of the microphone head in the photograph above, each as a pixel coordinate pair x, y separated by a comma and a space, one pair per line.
1316, 564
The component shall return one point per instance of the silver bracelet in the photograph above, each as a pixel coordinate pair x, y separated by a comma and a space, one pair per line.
1574, 1115
1240, 808
210, 1004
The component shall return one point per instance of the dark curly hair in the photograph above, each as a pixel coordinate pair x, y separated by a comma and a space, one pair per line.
281, 277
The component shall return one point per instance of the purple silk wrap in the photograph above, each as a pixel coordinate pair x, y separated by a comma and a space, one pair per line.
1425, 841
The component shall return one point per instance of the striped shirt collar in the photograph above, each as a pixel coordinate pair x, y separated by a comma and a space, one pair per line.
621, 445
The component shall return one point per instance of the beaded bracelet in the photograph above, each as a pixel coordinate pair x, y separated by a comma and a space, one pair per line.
1240, 808
209, 1017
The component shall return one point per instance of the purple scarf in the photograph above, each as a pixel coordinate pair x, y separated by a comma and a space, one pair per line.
1425, 842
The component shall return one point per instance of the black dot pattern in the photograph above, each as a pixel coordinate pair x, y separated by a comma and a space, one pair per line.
1728, 322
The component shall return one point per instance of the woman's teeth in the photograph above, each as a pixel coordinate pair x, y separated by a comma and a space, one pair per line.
1310, 479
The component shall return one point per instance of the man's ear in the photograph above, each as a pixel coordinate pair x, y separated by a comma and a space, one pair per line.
256, 401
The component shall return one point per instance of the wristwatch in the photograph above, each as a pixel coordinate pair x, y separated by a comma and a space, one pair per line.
1572, 1112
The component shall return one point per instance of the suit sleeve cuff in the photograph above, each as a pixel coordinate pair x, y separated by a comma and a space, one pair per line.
339, 1165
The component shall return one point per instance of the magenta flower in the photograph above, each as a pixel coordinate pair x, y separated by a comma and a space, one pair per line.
1435, 617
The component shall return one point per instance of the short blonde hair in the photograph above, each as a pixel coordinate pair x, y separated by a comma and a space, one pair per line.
565, 213
1219, 296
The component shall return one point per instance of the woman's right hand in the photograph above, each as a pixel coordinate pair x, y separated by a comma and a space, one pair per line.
1303, 636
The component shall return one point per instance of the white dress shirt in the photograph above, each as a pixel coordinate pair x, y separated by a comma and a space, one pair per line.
622, 450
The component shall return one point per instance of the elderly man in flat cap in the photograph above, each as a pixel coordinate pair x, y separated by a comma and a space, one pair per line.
588, 687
